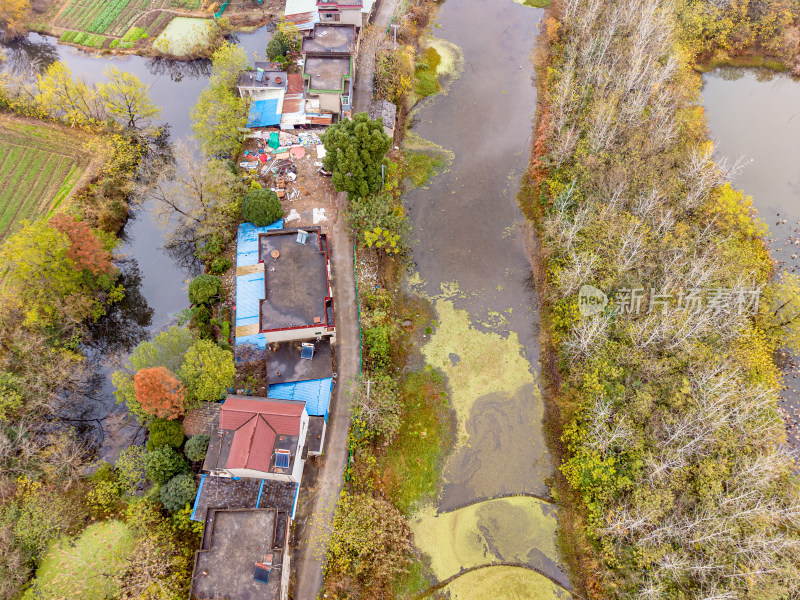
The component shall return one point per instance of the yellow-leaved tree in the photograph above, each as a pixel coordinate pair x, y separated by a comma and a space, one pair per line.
13, 18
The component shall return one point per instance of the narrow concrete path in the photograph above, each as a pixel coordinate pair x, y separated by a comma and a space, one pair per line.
314, 543
373, 38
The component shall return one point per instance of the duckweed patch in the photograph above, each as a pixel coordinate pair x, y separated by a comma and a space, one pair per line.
489, 362
503, 583
517, 529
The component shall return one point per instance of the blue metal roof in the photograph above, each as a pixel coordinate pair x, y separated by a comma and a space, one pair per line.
264, 113
193, 516
247, 242
250, 288
315, 393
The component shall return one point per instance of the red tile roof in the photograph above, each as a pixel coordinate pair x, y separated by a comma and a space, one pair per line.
294, 83
256, 424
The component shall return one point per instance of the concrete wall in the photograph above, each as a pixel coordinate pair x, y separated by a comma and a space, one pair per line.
347, 16
287, 335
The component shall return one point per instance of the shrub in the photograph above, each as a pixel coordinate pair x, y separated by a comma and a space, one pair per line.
165, 433
219, 265
378, 347
196, 447
162, 463
178, 492
203, 288
130, 468
261, 207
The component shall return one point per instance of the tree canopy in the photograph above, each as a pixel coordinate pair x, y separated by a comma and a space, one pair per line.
159, 392
261, 207
127, 99
226, 62
207, 371
204, 288
45, 277
198, 204
13, 18
355, 149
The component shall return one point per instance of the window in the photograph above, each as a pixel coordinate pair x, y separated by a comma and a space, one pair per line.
282, 459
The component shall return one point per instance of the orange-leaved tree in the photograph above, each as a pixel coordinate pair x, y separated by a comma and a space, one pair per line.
86, 249
159, 392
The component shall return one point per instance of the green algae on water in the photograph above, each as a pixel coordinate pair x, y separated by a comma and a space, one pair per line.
516, 529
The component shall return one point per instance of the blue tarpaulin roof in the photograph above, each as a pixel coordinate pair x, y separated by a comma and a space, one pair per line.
250, 288
315, 393
264, 113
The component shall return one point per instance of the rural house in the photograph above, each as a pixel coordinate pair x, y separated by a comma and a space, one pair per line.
260, 438
282, 285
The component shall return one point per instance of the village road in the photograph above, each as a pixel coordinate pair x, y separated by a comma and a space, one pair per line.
315, 542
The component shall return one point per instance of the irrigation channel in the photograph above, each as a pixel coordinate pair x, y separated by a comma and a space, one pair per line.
754, 116
492, 530
156, 282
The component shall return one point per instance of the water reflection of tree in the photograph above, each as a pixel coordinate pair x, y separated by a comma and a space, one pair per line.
29, 56
125, 324
177, 70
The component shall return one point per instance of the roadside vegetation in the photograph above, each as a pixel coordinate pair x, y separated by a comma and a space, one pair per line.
401, 422
677, 481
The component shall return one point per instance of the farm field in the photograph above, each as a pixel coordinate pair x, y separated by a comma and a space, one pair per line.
39, 167
117, 23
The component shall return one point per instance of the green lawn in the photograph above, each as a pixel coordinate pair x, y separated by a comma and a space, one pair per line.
83, 568
39, 166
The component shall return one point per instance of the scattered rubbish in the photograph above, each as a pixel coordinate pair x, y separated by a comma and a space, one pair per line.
298, 151
291, 176
318, 215
294, 194
321, 152
249, 164
292, 216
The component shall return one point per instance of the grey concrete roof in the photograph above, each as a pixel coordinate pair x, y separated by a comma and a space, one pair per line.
327, 38
284, 364
239, 539
269, 79
296, 282
326, 72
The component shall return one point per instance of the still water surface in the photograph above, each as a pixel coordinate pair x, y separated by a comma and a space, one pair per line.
754, 116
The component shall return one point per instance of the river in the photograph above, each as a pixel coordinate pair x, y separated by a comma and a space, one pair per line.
156, 281
471, 261
754, 117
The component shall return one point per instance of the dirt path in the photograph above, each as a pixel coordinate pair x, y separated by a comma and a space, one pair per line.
314, 542
373, 38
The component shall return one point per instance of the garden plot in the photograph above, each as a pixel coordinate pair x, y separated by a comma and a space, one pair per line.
39, 167
94, 22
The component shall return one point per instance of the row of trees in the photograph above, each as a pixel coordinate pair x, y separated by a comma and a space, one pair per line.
673, 443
